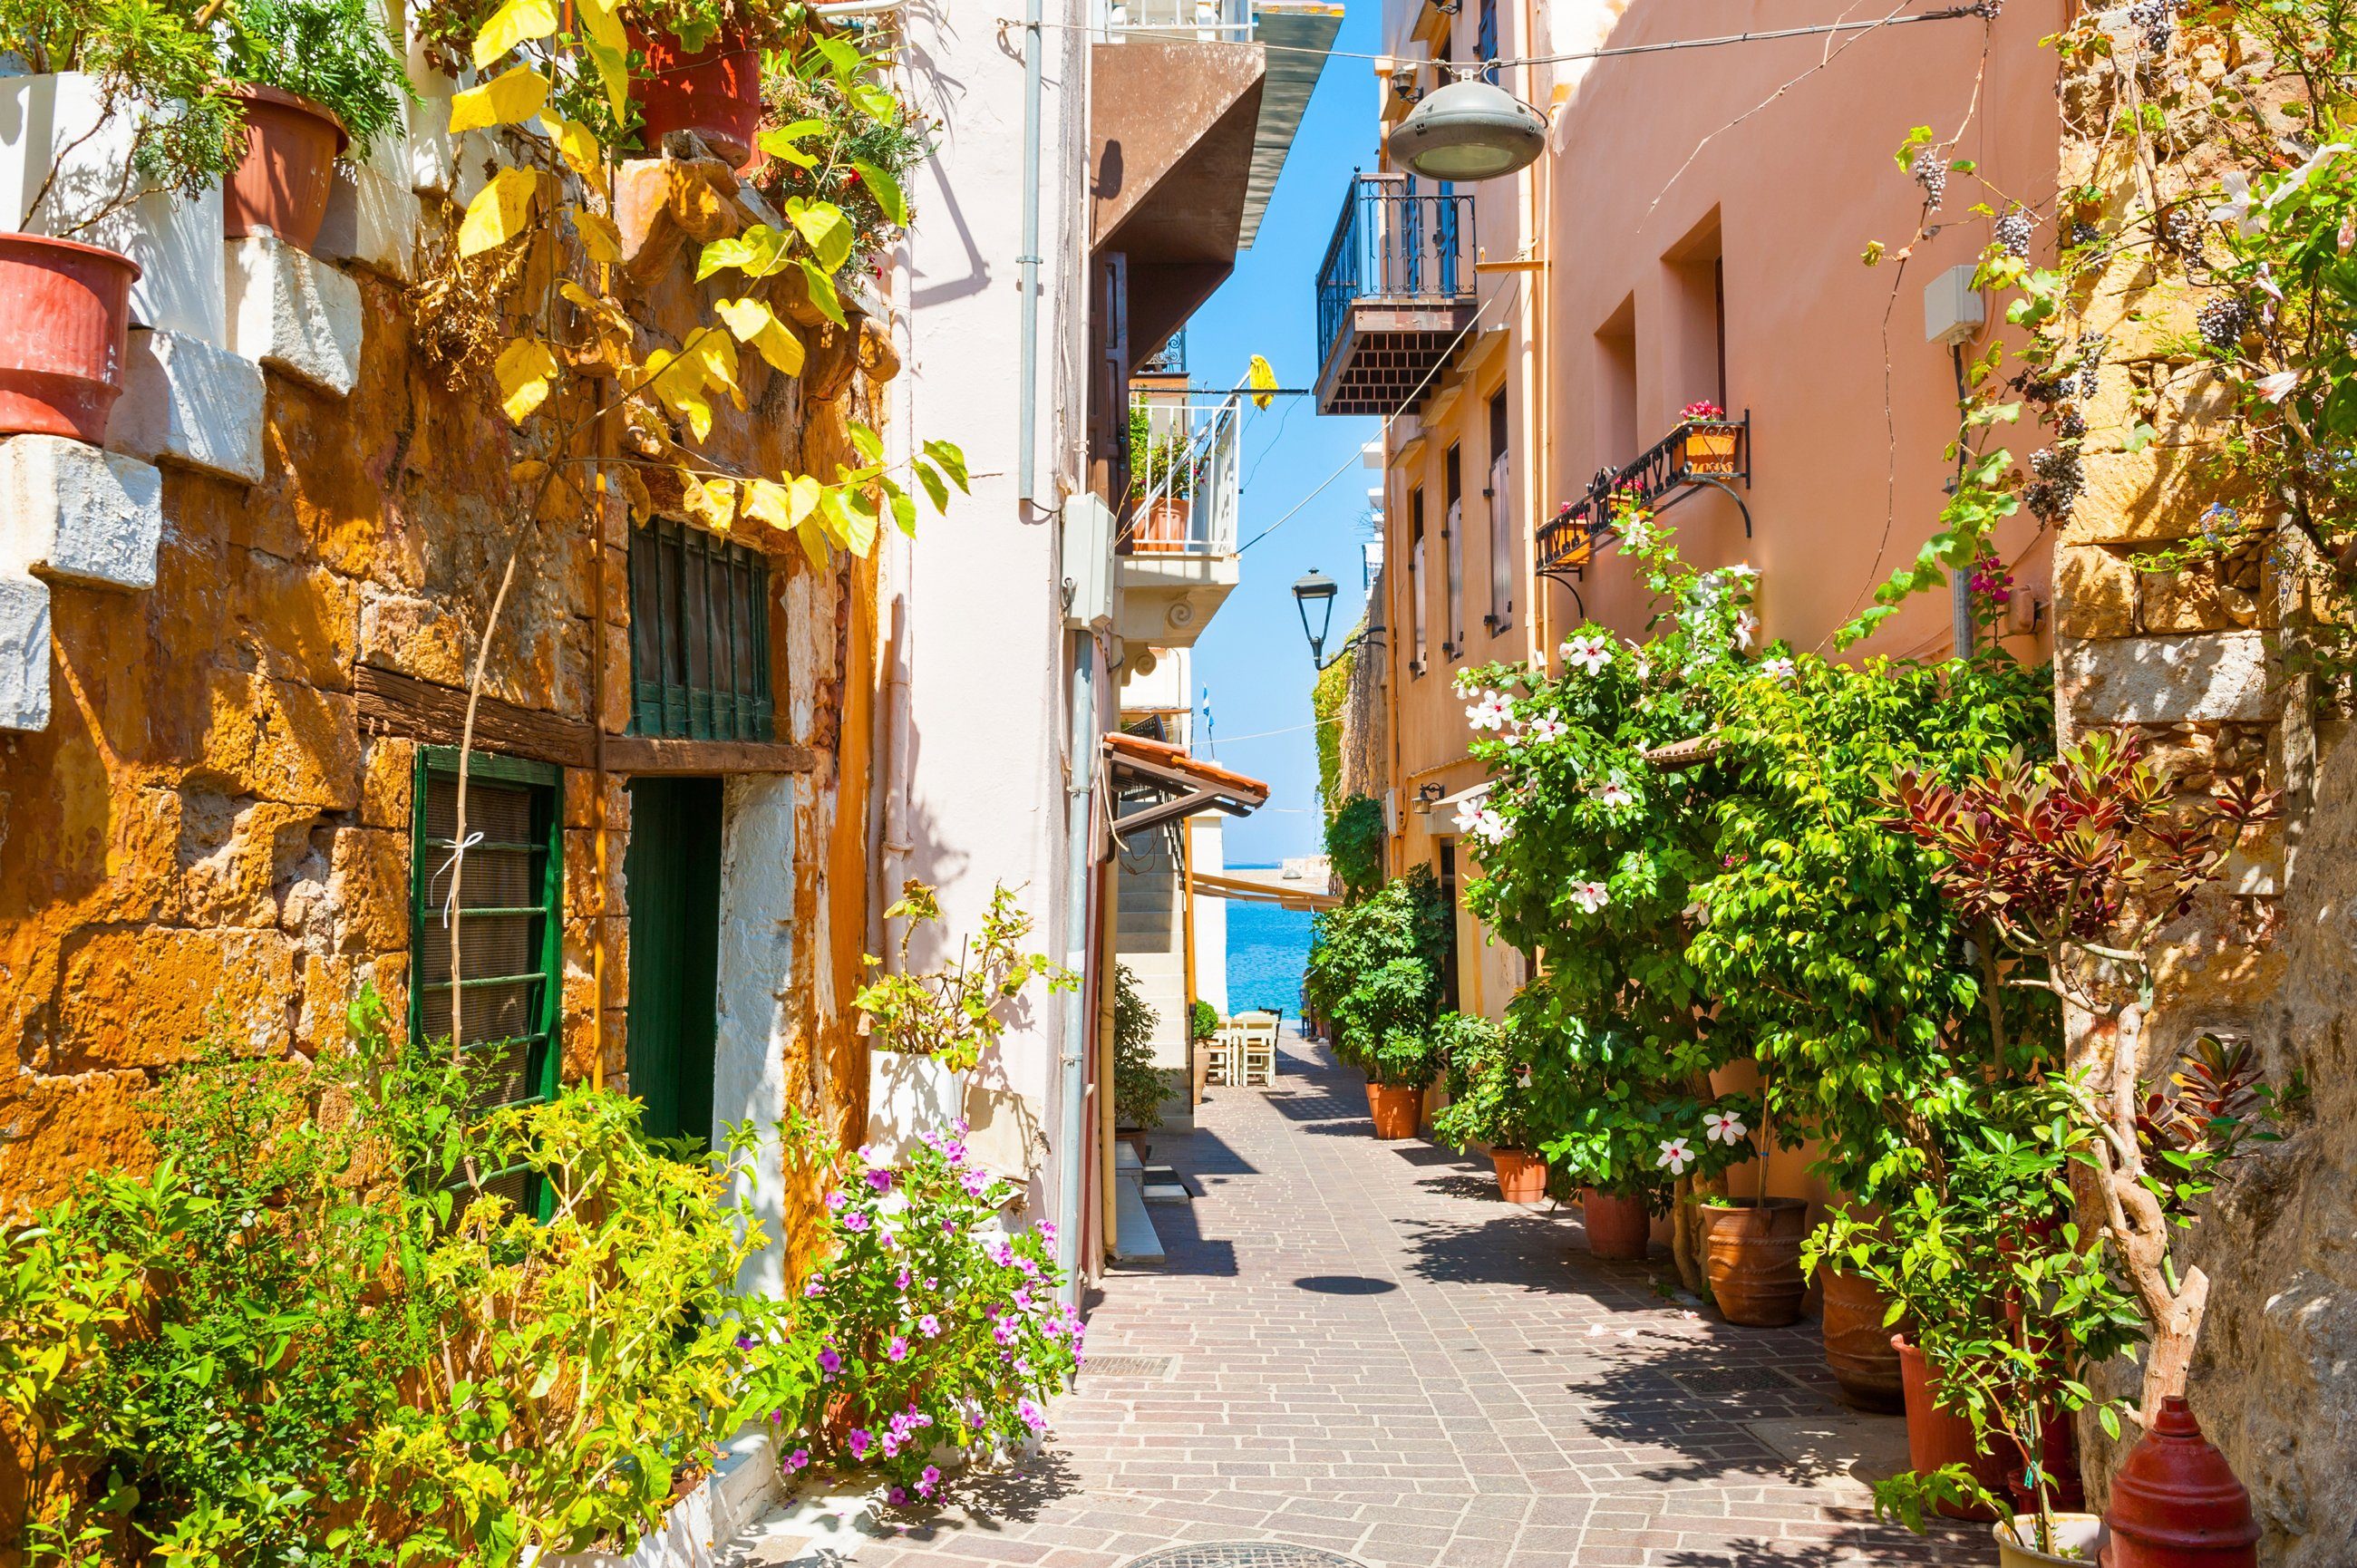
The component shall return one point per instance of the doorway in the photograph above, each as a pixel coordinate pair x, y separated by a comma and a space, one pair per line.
671, 878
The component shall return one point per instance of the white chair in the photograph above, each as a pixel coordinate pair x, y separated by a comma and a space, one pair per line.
1256, 1045
1222, 1054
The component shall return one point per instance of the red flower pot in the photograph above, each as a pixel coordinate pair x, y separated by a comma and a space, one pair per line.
1617, 1226
1396, 1111
1937, 1438
2176, 1503
1752, 1251
1522, 1176
714, 92
282, 183
1857, 1345
65, 312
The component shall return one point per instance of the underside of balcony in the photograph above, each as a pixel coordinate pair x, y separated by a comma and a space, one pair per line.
1388, 353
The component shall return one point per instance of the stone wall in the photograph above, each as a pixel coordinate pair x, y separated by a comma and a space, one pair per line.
205, 827
2188, 657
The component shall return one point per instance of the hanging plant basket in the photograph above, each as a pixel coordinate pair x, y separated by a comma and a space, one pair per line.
1711, 447
714, 92
65, 317
282, 182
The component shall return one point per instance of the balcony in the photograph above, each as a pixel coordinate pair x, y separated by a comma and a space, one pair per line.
1176, 553
1699, 455
1393, 295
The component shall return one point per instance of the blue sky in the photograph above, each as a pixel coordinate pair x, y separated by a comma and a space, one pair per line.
1253, 657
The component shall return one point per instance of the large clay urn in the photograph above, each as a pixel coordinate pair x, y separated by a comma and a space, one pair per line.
1751, 1250
2176, 1503
1396, 1110
1617, 1226
1521, 1175
1857, 1344
1937, 1437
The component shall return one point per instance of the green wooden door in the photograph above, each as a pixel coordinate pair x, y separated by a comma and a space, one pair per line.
673, 872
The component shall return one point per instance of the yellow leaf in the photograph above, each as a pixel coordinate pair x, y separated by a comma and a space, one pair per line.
716, 352
757, 253
507, 98
826, 227
678, 383
858, 526
511, 25
634, 490
600, 19
498, 211
754, 323
579, 145
803, 499
713, 503
765, 501
525, 368
814, 543
599, 237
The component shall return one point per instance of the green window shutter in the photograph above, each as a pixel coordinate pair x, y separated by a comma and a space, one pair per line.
699, 636
511, 920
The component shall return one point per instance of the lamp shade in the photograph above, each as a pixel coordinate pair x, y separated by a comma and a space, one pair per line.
1469, 130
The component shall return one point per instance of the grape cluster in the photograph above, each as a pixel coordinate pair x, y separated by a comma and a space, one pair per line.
2083, 232
2091, 363
1930, 171
2158, 20
2013, 233
2222, 323
2055, 483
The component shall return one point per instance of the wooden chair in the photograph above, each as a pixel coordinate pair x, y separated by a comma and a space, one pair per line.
1256, 1044
1222, 1054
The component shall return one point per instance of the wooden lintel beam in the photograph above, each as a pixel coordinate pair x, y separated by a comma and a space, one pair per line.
648, 757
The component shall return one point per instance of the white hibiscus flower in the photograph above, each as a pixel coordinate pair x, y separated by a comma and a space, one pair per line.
1615, 793
1488, 826
1778, 668
1590, 896
1747, 627
1637, 533
1490, 711
2279, 386
1724, 1127
1676, 1157
1588, 653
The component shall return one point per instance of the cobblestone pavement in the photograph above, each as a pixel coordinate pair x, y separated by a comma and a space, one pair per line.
1356, 1347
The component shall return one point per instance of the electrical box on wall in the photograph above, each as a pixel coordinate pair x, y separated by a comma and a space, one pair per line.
1088, 564
1953, 308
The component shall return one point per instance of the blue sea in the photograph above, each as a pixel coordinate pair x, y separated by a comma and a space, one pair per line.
1267, 949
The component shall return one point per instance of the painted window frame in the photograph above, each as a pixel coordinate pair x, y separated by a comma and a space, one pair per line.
661, 626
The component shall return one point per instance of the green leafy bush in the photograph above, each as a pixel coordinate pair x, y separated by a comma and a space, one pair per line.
1138, 1085
956, 1012
838, 133
1489, 1085
1376, 969
1206, 1020
1354, 845
933, 1329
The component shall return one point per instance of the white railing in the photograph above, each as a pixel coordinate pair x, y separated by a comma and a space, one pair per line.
1201, 21
1185, 478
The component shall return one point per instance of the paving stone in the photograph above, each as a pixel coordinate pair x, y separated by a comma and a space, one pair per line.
1403, 1421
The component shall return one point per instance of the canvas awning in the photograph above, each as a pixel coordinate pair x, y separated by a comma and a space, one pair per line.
1187, 785
1260, 886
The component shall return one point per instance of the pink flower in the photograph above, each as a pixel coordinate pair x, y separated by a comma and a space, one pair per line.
816, 1287
899, 1348
836, 1200
881, 1180
927, 1481
928, 1326
861, 1443
798, 1460
829, 1362
898, 1497
1676, 1157
854, 1221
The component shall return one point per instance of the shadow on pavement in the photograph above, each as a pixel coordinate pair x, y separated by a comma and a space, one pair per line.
1344, 1284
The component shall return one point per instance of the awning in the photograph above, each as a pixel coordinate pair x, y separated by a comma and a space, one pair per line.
1187, 785
1262, 887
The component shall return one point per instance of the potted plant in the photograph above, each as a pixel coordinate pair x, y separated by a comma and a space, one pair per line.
1161, 479
832, 131
317, 78
1138, 1086
696, 66
1490, 1103
1752, 1244
134, 106
1710, 438
1376, 970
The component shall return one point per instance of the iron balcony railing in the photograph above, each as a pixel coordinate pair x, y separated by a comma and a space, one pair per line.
1185, 484
1394, 241
1699, 454
1170, 359
1198, 21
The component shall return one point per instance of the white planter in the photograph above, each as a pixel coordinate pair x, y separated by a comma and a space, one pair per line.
744, 1485
2081, 1532
52, 123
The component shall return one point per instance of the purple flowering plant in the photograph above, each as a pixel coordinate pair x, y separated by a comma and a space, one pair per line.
940, 1331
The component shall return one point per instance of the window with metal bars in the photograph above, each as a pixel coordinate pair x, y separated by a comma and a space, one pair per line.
509, 917
699, 636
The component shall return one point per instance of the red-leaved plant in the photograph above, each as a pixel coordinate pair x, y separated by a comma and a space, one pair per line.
2069, 873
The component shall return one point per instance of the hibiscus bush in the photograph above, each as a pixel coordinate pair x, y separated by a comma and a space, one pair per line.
1376, 970
928, 1335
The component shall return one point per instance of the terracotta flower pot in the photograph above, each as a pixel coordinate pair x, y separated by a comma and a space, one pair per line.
1857, 1344
2079, 1533
2175, 1502
1396, 1111
1161, 528
1937, 1438
714, 92
1752, 1251
1522, 1176
282, 183
65, 314
1617, 1226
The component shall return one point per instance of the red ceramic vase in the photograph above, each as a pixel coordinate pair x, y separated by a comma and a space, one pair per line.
1522, 1176
283, 181
1396, 1111
714, 92
1937, 1438
1617, 1226
65, 314
2176, 1503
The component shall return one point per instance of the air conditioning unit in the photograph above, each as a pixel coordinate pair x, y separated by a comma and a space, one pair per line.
1088, 564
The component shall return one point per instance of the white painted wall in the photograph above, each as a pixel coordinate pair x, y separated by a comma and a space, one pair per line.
1211, 914
980, 755
756, 949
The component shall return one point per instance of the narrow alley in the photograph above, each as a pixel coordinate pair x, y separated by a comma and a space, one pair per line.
1356, 1347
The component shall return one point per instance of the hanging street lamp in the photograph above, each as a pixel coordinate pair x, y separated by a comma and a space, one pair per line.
1469, 130
1314, 587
